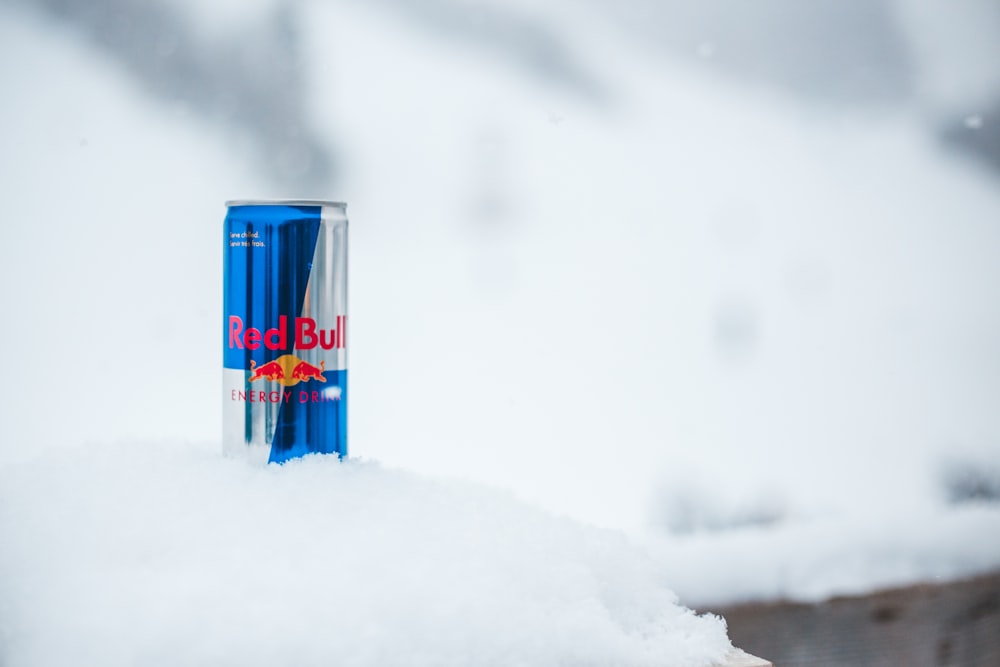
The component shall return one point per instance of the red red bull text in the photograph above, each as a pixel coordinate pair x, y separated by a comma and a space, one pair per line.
307, 336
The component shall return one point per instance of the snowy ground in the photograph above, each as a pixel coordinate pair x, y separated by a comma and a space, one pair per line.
758, 337
153, 555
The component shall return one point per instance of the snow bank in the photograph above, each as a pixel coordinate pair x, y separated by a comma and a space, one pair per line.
847, 553
140, 553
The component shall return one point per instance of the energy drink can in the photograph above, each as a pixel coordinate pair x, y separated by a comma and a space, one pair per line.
284, 329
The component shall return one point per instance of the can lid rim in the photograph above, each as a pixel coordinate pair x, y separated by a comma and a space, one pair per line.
285, 202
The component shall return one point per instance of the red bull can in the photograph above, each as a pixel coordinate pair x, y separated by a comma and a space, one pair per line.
284, 329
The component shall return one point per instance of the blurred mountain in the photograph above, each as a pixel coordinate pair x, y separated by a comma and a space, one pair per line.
246, 79
247, 73
828, 50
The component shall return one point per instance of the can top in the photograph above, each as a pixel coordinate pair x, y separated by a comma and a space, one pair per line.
285, 202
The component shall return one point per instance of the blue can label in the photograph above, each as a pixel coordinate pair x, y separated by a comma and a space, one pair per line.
285, 330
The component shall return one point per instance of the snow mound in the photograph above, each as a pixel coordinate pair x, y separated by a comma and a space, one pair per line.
139, 553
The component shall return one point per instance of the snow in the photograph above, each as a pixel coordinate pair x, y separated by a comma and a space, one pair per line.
750, 334
836, 554
164, 553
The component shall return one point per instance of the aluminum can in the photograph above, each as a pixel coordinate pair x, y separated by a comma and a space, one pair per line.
284, 329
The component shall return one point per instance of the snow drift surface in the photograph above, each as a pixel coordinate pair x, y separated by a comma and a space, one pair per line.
156, 554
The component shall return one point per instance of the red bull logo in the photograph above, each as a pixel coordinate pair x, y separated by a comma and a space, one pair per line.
307, 336
305, 371
287, 370
272, 370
